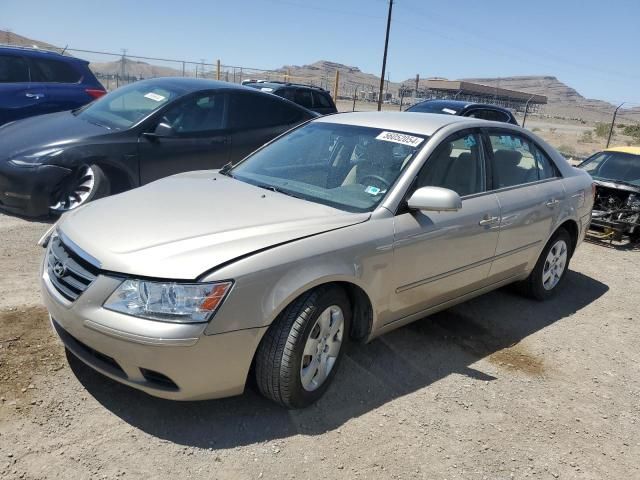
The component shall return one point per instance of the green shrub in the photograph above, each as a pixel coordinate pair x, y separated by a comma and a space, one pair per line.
633, 131
602, 130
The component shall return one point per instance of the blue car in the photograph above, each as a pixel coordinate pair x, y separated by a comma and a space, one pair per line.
34, 82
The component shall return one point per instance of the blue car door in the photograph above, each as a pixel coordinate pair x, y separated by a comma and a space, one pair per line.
18, 97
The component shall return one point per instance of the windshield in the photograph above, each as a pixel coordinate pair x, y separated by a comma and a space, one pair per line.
343, 166
125, 106
614, 166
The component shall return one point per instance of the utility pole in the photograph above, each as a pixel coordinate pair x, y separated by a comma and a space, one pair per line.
613, 121
122, 63
526, 110
384, 57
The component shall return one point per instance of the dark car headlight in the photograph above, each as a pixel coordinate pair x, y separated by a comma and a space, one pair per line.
35, 159
168, 301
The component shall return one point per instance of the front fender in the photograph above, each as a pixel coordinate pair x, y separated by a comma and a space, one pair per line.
265, 283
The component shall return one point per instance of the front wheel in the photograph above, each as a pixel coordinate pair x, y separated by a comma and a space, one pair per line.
550, 270
87, 183
300, 353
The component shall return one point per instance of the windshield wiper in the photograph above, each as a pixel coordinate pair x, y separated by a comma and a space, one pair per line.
226, 169
276, 189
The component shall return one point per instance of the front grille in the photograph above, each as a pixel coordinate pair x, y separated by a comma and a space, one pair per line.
68, 272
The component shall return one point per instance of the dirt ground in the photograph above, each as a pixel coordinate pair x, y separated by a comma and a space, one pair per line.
497, 388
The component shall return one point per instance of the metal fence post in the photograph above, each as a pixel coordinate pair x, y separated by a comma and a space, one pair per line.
335, 86
613, 121
218, 70
183, 69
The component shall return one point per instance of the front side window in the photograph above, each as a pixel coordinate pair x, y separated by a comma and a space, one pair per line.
125, 106
197, 114
513, 160
13, 69
457, 164
616, 166
348, 167
303, 98
54, 71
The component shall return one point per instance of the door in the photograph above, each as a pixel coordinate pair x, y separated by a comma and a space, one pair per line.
18, 97
256, 118
530, 192
439, 256
198, 138
59, 82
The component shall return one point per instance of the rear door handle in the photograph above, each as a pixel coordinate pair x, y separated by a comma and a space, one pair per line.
37, 96
487, 220
552, 203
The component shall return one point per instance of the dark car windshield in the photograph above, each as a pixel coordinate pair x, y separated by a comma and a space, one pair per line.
125, 106
343, 166
619, 166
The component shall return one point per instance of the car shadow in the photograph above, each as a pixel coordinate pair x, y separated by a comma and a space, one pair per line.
396, 364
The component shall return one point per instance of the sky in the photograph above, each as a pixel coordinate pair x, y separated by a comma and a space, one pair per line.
590, 45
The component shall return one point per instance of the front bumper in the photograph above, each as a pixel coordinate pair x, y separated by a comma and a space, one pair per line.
27, 191
167, 360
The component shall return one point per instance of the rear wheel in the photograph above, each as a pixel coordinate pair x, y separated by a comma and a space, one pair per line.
550, 270
300, 353
87, 183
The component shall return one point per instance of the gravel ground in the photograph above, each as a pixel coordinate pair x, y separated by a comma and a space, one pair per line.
499, 387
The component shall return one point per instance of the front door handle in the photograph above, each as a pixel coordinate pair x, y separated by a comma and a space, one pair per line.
37, 96
487, 220
552, 203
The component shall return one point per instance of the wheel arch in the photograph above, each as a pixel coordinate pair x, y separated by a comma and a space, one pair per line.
571, 226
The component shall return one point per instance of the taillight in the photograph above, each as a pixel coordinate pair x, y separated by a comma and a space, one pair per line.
95, 92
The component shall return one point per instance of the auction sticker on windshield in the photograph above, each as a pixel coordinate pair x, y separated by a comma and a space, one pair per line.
401, 138
154, 96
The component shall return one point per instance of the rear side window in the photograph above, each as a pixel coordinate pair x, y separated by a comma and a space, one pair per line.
493, 115
13, 69
54, 71
260, 111
321, 100
303, 97
516, 161
197, 114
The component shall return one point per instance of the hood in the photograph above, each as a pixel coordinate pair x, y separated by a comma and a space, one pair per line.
33, 133
182, 226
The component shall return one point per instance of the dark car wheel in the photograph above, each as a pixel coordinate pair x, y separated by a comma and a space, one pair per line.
87, 183
551, 268
300, 353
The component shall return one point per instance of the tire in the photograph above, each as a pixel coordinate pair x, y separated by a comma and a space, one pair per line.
87, 183
298, 349
549, 274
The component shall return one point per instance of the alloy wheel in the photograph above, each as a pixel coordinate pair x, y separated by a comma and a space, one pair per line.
554, 265
75, 192
322, 348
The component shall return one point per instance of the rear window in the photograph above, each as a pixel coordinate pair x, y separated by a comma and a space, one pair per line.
321, 100
54, 71
487, 114
13, 69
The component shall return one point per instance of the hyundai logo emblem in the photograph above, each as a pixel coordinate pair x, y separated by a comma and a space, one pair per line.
59, 269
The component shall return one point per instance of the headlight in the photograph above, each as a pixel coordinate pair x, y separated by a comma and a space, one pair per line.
633, 202
168, 301
44, 239
35, 159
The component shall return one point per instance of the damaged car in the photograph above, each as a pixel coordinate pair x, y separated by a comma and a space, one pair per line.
616, 210
345, 228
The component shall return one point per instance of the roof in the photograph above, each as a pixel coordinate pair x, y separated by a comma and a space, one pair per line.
411, 122
478, 89
631, 150
277, 85
193, 84
460, 105
37, 52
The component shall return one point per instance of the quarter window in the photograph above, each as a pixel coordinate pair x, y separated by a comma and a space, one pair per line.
457, 164
53, 71
13, 69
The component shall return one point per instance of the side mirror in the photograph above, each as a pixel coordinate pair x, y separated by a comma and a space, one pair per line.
435, 199
162, 130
